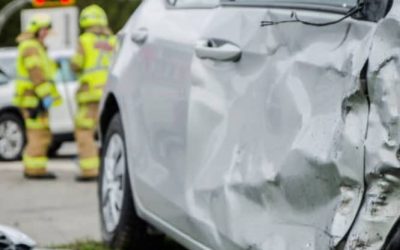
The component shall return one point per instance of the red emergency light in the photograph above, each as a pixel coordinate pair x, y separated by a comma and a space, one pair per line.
52, 3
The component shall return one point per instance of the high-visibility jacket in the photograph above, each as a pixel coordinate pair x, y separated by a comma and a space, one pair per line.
29, 91
93, 61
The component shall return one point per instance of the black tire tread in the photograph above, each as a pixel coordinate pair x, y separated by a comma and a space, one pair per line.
53, 148
394, 243
131, 231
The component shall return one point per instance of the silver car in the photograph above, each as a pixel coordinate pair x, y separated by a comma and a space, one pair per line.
254, 124
12, 129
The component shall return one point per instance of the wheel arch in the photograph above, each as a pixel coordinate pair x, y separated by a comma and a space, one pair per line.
393, 235
110, 108
12, 110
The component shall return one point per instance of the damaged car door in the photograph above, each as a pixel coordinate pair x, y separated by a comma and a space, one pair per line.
277, 123
377, 225
162, 50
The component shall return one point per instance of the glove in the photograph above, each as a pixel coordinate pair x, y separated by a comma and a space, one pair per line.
47, 102
33, 113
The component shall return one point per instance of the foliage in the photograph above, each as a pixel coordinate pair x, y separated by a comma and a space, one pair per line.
163, 244
118, 12
82, 245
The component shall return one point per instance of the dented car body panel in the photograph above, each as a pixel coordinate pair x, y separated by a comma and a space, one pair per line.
291, 145
381, 207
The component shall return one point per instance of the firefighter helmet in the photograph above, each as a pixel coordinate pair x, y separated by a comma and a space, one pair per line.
93, 15
37, 22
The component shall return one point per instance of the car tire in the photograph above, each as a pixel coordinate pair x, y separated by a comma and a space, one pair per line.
394, 242
12, 137
54, 147
121, 228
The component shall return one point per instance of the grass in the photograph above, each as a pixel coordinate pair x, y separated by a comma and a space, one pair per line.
82, 245
166, 244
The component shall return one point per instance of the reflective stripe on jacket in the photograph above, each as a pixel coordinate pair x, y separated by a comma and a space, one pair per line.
93, 61
35, 73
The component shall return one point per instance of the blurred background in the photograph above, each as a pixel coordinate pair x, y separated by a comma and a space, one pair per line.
118, 12
62, 214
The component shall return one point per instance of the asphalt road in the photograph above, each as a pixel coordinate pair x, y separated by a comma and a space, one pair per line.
51, 212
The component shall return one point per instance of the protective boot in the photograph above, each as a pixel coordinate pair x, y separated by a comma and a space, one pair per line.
85, 122
39, 174
88, 175
39, 139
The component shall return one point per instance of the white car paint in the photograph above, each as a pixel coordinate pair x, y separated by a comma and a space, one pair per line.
293, 144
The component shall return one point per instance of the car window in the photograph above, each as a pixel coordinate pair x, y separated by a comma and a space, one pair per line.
65, 70
338, 3
193, 3
3, 78
8, 66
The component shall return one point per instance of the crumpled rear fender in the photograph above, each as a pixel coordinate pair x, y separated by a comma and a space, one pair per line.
381, 207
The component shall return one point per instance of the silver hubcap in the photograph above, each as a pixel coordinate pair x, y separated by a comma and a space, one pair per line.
113, 182
11, 139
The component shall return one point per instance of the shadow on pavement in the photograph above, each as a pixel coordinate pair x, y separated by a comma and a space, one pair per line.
63, 157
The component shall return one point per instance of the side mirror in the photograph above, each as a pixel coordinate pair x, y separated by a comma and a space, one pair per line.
374, 10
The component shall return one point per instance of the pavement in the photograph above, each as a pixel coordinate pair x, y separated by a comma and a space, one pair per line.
50, 212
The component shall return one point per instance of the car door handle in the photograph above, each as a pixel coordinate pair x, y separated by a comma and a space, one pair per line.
218, 50
139, 36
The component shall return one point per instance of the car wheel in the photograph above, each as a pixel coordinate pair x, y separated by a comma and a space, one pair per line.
12, 137
54, 147
121, 227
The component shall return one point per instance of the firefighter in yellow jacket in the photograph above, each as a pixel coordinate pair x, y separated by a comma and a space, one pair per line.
95, 48
36, 94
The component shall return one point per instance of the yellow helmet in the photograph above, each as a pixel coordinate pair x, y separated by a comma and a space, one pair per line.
37, 22
93, 15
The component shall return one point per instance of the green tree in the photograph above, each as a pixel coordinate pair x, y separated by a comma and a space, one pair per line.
118, 12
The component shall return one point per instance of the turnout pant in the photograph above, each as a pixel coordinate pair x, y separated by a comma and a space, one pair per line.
38, 142
85, 128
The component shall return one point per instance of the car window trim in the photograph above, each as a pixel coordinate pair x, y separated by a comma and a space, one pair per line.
170, 6
6, 77
3, 72
289, 5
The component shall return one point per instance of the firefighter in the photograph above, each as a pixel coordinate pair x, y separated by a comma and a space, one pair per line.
36, 94
95, 48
